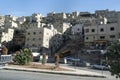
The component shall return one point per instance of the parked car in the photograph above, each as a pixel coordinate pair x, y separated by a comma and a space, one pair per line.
70, 60
81, 63
36, 56
100, 67
78, 62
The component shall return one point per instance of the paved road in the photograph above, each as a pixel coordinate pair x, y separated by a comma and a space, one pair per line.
21, 75
103, 72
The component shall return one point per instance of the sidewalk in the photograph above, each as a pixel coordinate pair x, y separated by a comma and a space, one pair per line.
74, 72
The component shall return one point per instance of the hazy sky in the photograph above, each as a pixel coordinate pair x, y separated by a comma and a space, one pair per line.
27, 7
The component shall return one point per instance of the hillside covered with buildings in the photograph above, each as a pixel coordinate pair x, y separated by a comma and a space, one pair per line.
56, 31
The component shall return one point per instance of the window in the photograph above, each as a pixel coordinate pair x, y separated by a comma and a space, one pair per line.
39, 38
39, 44
112, 36
87, 38
34, 33
33, 45
102, 37
28, 33
47, 39
101, 30
40, 32
78, 29
46, 45
33, 39
112, 29
93, 30
86, 30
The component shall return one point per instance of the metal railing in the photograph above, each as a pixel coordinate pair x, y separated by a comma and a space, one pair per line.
5, 59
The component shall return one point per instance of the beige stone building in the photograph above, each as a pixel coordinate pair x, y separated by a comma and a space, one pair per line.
56, 16
40, 37
89, 19
101, 34
118, 21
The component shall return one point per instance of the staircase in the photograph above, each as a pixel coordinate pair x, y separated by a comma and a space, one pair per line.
72, 45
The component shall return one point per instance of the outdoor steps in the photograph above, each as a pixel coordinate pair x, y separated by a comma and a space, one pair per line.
71, 45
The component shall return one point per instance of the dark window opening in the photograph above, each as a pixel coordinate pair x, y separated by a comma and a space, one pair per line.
101, 29
112, 28
112, 36
102, 37
93, 30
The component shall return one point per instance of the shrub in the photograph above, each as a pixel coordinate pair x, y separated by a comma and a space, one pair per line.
113, 59
23, 57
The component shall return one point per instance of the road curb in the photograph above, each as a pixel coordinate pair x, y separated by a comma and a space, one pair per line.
55, 72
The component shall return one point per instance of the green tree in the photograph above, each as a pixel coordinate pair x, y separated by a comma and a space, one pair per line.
23, 57
113, 56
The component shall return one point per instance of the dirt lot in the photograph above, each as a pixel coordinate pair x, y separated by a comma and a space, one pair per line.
40, 66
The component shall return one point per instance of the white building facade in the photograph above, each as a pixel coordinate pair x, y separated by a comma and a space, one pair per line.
6, 35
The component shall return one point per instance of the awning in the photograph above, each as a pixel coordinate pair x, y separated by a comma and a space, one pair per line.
100, 41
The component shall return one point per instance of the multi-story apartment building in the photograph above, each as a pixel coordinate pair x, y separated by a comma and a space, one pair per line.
88, 19
118, 21
26, 25
36, 17
61, 27
40, 37
2, 19
71, 16
10, 21
60, 17
21, 20
55, 17
6, 35
101, 34
110, 15
75, 14
77, 32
